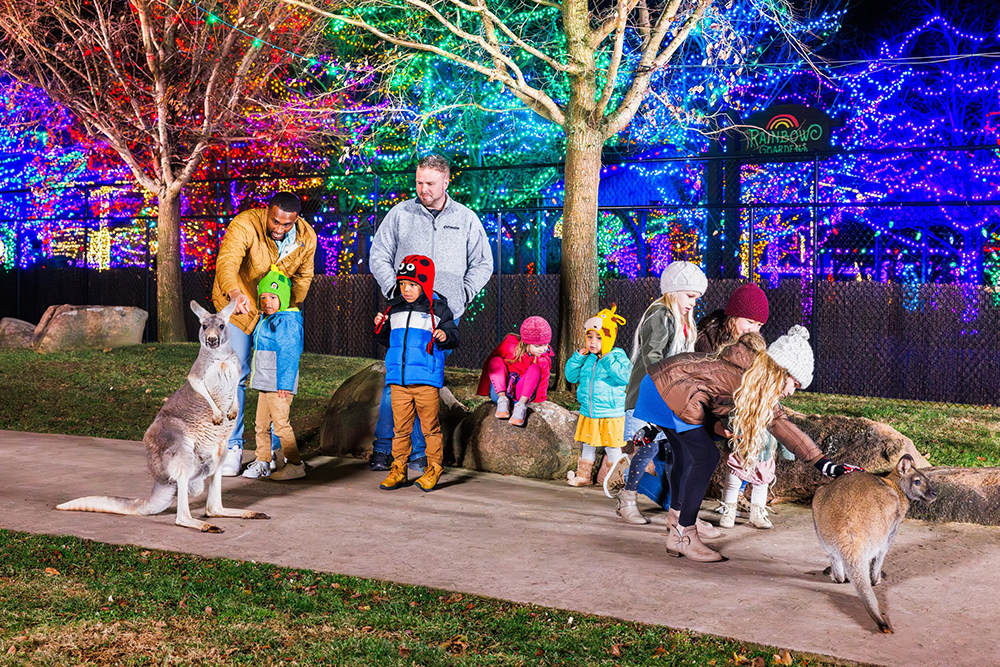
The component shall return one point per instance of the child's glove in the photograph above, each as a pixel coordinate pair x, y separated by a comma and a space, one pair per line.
645, 435
831, 469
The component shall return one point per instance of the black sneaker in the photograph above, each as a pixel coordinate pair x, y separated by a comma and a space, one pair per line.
380, 461
418, 464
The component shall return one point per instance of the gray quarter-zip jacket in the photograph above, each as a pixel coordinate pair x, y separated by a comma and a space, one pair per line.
455, 240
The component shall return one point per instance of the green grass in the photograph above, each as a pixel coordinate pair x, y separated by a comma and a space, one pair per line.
117, 394
67, 601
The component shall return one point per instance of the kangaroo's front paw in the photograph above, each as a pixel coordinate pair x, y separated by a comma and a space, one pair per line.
217, 418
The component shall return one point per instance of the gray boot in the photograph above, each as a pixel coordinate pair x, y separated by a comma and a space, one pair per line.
627, 508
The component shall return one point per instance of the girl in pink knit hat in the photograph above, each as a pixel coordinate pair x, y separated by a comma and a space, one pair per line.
745, 312
519, 367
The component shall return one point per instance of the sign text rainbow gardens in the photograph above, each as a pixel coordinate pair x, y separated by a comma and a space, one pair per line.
787, 128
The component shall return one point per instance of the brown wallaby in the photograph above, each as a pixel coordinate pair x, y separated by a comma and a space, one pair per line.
856, 518
187, 440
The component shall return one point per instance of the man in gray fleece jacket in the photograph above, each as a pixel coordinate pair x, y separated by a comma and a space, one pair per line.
435, 225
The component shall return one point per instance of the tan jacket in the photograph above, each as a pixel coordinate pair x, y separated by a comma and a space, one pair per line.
246, 254
696, 386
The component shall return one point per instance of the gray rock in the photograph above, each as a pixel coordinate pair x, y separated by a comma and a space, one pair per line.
862, 442
16, 334
348, 427
544, 448
65, 328
968, 495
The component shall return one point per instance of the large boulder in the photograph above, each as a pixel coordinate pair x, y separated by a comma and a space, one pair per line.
544, 448
65, 328
16, 334
348, 426
969, 495
862, 442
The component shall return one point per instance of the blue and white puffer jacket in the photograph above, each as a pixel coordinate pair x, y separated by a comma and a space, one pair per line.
277, 345
602, 381
407, 333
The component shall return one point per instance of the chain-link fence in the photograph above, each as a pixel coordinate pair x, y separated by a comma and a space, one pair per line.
893, 269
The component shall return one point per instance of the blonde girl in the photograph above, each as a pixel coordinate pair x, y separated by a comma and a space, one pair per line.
692, 395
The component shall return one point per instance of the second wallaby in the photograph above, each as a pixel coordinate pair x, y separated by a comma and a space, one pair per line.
856, 518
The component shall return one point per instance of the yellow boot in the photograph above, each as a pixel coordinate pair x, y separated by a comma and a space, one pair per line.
429, 479
397, 475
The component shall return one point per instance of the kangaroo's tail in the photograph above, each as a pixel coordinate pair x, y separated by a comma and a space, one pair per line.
860, 576
159, 499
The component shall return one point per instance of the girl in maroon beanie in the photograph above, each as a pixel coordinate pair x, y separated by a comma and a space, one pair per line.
519, 367
745, 312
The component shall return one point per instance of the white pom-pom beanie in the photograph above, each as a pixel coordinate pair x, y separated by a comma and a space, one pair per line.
792, 352
683, 277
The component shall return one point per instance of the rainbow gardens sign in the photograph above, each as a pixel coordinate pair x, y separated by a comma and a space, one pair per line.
784, 129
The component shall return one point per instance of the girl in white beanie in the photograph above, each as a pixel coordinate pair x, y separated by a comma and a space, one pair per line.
666, 328
752, 458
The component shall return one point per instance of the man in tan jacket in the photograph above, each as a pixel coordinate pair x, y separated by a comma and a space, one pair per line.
254, 241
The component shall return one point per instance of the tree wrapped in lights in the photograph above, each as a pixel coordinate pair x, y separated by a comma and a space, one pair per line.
163, 82
585, 67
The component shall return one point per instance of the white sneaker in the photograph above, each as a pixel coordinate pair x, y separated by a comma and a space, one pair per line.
277, 459
257, 469
233, 462
290, 471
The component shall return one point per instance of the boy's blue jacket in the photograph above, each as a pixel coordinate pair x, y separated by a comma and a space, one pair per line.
407, 332
602, 382
277, 346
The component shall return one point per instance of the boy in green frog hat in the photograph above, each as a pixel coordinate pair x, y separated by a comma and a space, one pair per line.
274, 370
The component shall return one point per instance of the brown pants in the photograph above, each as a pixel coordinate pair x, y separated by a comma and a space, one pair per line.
408, 403
272, 409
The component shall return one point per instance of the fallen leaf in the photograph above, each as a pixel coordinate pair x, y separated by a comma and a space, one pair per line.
12, 650
145, 554
404, 652
414, 603
52, 572
616, 650
786, 657
759, 662
148, 391
980, 458
367, 628
457, 645
660, 652
539, 652
107, 349
208, 610
740, 659
364, 607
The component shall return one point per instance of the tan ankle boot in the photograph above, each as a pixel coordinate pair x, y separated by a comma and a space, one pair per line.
584, 475
603, 471
429, 479
628, 510
705, 529
685, 542
397, 475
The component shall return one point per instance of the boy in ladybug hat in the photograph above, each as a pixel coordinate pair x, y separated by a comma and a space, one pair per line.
420, 327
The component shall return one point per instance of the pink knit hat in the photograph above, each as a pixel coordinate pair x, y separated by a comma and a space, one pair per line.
535, 331
748, 301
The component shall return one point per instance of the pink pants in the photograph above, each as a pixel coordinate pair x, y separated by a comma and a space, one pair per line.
524, 386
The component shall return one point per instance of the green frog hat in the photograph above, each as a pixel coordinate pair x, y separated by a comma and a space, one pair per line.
276, 282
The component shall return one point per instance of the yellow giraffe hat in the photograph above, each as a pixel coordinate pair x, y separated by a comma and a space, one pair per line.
605, 323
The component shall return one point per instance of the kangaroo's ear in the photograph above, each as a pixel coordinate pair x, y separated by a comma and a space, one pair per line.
228, 310
904, 464
198, 310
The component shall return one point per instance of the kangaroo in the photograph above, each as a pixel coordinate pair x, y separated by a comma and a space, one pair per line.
857, 516
187, 440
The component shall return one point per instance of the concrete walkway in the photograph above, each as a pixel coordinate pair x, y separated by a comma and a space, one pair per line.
544, 543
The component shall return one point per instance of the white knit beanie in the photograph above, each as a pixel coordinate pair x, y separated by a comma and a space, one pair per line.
792, 352
683, 277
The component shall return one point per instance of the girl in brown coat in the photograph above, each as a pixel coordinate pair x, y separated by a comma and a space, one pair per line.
691, 395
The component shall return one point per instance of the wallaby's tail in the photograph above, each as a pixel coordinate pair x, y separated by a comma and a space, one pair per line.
159, 499
860, 576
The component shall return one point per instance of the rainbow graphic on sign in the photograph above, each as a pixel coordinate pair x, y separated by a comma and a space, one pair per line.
784, 121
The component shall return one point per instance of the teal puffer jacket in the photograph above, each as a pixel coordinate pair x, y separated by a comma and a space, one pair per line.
602, 382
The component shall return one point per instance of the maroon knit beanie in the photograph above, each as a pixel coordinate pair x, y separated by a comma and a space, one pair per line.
535, 331
748, 301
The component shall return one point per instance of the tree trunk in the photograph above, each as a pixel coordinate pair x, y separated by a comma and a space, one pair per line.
169, 289
578, 286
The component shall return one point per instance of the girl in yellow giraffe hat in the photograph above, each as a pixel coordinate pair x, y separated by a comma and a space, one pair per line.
601, 372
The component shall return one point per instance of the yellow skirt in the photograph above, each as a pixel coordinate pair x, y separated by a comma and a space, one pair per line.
603, 432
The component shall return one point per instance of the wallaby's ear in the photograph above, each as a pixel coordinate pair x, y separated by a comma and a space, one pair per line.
904, 464
228, 310
198, 310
